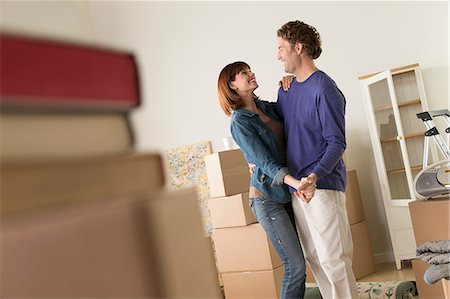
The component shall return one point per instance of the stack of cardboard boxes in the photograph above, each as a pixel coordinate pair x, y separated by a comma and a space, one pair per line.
363, 261
249, 265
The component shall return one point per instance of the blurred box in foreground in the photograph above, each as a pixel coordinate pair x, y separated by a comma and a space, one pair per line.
186, 268
97, 249
42, 184
122, 247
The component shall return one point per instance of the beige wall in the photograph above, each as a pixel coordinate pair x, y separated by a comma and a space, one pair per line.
182, 46
66, 20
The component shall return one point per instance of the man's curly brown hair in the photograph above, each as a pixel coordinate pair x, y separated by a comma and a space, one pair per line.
299, 32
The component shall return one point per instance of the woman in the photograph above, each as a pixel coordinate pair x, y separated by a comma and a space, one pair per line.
258, 131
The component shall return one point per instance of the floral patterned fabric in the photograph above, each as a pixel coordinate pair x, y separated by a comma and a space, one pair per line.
186, 168
387, 289
374, 290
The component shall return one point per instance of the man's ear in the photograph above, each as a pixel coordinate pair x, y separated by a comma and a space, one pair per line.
298, 48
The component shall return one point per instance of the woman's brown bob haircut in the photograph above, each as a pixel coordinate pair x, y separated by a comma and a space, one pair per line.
228, 98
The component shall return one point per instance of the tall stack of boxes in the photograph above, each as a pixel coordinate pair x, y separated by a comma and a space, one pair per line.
249, 265
363, 261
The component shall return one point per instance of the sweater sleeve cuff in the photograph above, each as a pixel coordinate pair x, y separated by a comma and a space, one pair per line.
320, 171
279, 177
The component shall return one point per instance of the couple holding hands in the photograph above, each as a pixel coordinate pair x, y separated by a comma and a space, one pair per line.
298, 175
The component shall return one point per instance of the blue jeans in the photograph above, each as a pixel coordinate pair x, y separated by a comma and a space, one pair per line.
277, 220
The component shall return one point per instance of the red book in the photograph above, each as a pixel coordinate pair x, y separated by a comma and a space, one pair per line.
39, 74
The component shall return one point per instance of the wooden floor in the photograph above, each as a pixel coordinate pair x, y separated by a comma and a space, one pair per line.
388, 272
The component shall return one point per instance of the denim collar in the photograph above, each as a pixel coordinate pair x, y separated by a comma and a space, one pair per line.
245, 112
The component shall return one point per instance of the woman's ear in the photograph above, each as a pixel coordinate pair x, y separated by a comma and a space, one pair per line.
232, 85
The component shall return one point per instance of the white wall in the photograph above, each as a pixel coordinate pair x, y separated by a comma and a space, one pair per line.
61, 20
182, 46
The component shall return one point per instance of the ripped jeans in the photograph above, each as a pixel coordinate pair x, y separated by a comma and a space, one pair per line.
277, 220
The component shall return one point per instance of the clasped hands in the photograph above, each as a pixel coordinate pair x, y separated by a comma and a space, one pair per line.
306, 187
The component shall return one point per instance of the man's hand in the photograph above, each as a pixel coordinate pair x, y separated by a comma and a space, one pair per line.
307, 194
307, 188
308, 181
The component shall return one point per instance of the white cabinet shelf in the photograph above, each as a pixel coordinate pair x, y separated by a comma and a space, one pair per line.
392, 99
400, 105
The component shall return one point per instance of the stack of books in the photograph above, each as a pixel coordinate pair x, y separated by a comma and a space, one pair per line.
64, 101
83, 214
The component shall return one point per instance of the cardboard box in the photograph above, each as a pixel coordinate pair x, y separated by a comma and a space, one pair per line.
446, 287
430, 219
309, 274
42, 184
244, 248
186, 267
60, 252
255, 284
363, 261
124, 247
228, 173
426, 291
353, 203
230, 211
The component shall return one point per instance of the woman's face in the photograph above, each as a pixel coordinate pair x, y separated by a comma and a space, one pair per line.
244, 82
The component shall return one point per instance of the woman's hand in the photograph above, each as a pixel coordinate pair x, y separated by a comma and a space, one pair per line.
307, 187
307, 194
286, 82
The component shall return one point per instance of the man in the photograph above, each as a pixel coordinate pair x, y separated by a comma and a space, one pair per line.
313, 112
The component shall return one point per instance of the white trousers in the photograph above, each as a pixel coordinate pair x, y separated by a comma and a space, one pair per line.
324, 232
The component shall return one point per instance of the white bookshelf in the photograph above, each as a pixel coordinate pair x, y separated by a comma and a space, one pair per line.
392, 100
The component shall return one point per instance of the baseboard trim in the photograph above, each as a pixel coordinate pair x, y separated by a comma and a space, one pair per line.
385, 257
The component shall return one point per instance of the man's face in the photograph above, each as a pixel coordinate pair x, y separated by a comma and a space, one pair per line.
287, 55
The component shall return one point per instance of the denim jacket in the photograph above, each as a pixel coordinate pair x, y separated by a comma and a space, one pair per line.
259, 146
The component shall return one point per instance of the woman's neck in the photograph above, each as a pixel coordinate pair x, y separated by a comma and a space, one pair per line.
249, 103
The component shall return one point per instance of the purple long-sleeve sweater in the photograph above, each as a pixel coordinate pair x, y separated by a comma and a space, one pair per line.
314, 122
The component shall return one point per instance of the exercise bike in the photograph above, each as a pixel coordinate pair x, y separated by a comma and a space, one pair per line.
434, 180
